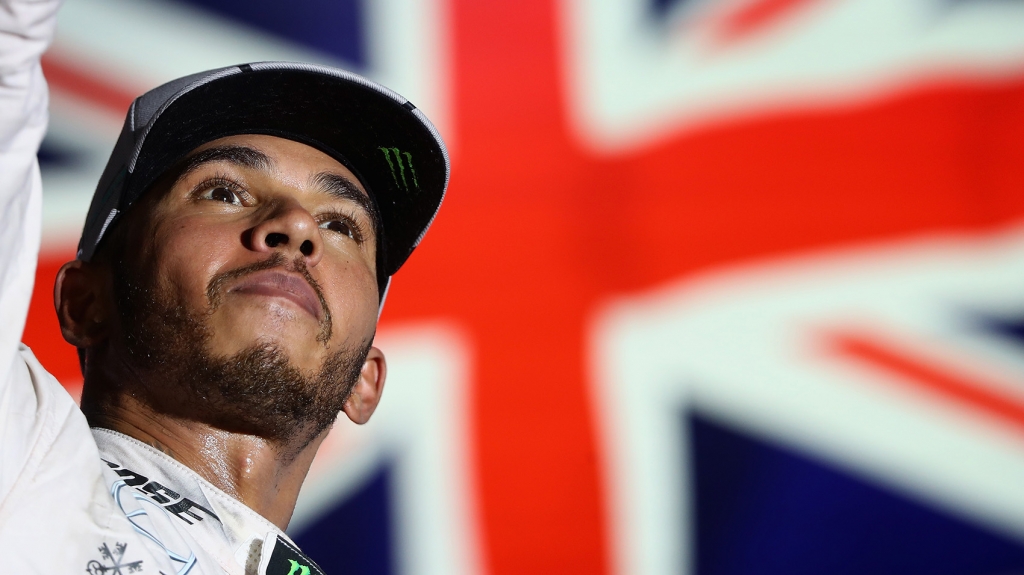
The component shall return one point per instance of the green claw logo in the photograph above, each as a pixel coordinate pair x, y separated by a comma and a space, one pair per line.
401, 167
297, 568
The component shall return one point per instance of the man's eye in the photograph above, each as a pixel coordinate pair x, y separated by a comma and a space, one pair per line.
222, 194
340, 227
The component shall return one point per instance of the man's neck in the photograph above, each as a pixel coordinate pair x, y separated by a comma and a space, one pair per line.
264, 475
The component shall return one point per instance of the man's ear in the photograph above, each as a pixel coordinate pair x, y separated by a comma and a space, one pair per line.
365, 395
79, 296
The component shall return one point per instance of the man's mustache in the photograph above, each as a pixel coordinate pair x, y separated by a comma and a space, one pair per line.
214, 289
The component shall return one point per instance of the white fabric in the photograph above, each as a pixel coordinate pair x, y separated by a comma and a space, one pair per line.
63, 509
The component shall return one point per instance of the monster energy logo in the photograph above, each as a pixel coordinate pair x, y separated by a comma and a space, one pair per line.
297, 568
401, 169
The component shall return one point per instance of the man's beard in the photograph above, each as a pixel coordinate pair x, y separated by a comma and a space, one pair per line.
256, 391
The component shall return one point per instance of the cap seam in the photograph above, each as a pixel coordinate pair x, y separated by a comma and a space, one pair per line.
167, 104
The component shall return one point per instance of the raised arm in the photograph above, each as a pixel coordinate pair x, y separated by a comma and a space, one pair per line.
26, 28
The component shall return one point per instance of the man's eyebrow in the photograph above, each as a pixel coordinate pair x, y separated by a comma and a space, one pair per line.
242, 156
343, 188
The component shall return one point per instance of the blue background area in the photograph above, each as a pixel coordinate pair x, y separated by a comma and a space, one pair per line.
356, 536
662, 7
1008, 328
331, 26
764, 509
53, 155
668, 11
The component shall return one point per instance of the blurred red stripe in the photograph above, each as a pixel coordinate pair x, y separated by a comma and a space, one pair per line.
967, 391
64, 76
757, 14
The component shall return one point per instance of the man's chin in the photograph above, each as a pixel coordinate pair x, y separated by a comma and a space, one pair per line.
294, 333
260, 391
275, 382
296, 352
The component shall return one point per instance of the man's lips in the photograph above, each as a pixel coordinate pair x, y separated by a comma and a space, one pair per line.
275, 283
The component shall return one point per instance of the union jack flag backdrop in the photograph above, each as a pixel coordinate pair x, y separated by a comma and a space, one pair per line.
720, 286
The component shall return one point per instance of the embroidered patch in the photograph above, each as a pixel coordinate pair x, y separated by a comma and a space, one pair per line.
117, 564
286, 559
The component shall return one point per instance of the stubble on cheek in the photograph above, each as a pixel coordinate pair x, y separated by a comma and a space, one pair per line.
256, 391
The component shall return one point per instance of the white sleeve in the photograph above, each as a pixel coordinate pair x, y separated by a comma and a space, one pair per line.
26, 28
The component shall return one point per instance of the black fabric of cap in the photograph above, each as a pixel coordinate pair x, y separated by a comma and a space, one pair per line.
384, 141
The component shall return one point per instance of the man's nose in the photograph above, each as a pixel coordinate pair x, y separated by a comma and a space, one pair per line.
290, 229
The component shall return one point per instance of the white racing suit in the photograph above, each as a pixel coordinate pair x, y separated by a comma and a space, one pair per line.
75, 500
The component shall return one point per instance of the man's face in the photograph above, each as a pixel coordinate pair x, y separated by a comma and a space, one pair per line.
246, 288
273, 242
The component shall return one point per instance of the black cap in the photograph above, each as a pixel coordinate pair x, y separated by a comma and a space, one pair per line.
380, 136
